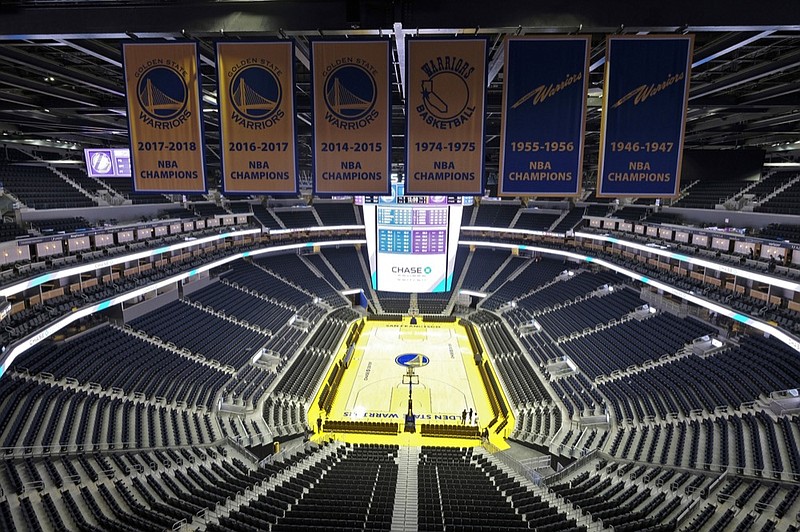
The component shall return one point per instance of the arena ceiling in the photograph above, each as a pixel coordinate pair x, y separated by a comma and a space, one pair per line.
61, 75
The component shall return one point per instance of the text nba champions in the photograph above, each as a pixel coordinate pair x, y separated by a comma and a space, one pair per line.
258, 170
638, 170
443, 118
542, 166
167, 168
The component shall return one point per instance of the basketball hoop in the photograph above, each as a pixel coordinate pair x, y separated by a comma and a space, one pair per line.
409, 377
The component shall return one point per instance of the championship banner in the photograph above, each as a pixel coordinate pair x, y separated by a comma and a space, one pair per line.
351, 116
544, 109
445, 102
644, 115
165, 120
257, 117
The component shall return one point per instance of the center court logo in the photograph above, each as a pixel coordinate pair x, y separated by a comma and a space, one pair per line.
255, 93
445, 92
412, 360
163, 95
350, 95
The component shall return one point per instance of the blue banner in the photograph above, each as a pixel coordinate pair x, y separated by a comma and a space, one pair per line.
544, 109
644, 115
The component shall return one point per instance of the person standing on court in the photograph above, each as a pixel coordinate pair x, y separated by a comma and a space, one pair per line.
470, 415
464, 417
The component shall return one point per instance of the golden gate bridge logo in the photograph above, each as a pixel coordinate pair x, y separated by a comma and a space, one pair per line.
162, 93
255, 93
350, 92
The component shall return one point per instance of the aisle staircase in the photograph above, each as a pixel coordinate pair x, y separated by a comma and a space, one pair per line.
405, 515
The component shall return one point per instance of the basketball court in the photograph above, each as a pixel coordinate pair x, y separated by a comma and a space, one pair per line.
438, 362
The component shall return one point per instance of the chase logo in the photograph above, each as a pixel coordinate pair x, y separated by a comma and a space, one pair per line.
412, 360
350, 95
412, 270
162, 94
445, 92
256, 97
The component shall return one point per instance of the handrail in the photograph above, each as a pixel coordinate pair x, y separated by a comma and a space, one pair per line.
580, 462
235, 443
74, 448
284, 452
527, 472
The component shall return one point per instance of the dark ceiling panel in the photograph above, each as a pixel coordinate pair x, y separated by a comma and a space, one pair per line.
206, 18
65, 57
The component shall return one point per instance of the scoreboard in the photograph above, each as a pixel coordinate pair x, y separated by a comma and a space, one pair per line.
108, 162
412, 240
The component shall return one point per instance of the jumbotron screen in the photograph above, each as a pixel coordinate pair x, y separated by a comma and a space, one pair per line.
108, 162
412, 241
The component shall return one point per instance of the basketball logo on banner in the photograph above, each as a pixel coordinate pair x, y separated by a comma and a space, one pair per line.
544, 108
350, 95
256, 105
256, 97
644, 115
162, 94
165, 119
351, 116
446, 85
445, 93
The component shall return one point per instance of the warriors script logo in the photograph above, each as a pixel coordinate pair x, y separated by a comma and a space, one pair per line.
255, 92
543, 92
643, 92
350, 93
445, 93
163, 94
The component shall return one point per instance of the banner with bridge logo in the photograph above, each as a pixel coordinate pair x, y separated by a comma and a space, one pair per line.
257, 117
351, 116
165, 120
445, 102
644, 115
544, 107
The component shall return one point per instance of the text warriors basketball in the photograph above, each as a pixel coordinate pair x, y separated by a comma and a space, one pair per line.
445, 92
